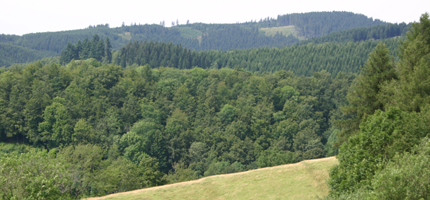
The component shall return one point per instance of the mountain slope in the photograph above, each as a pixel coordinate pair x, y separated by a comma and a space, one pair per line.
304, 180
10, 54
201, 36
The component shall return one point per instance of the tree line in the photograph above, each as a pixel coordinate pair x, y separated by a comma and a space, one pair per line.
96, 48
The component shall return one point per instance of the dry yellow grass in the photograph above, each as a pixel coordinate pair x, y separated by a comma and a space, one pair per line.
304, 180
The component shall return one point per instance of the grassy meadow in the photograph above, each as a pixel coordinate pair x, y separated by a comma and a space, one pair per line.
304, 180
285, 30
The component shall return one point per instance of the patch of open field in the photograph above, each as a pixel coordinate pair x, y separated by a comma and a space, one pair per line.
285, 30
125, 35
304, 180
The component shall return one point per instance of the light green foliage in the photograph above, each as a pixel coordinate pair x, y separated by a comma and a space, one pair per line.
403, 177
406, 176
274, 156
84, 161
380, 137
119, 176
56, 128
34, 175
284, 30
227, 114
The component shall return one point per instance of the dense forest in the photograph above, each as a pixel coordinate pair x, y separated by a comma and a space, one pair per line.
11, 54
196, 36
301, 59
184, 123
317, 24
94, 121
362, 34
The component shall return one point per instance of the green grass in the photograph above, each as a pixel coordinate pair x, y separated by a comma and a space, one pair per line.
285, 30
304, 180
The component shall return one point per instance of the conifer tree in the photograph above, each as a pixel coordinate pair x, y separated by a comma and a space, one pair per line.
108, 53
86, 48
363, 96
412, 91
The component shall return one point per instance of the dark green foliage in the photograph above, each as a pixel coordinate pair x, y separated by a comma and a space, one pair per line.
411, 91
302, 60
111, 123
95, 48
199, 36
378, 32
315, 24
274, 156
10, 54
364, 98
236, 37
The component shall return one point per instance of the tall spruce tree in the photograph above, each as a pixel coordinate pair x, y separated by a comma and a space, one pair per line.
412, 91
363, 96
86, 48
108, 51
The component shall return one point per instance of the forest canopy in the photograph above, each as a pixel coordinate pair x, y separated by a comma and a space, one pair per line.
184, 123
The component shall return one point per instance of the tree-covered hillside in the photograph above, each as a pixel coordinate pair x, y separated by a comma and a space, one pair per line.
104, 121
301, 59
317, 24
362, 34
199, 36
11, 54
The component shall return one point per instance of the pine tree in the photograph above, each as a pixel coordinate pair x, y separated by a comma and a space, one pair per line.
86, 49
363, 97
94, 47
413, 89
108, 51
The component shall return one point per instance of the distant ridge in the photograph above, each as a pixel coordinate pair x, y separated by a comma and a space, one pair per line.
197, 36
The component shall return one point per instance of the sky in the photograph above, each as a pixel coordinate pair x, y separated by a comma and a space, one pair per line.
29, 16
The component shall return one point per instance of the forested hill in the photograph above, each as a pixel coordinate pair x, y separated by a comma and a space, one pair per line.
111, 129
362, 34
283, 31
316, 24
300, 59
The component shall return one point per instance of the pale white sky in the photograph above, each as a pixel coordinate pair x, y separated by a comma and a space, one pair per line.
29, 16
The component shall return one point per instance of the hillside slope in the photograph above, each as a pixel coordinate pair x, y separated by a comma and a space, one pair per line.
304, 180
202, 37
